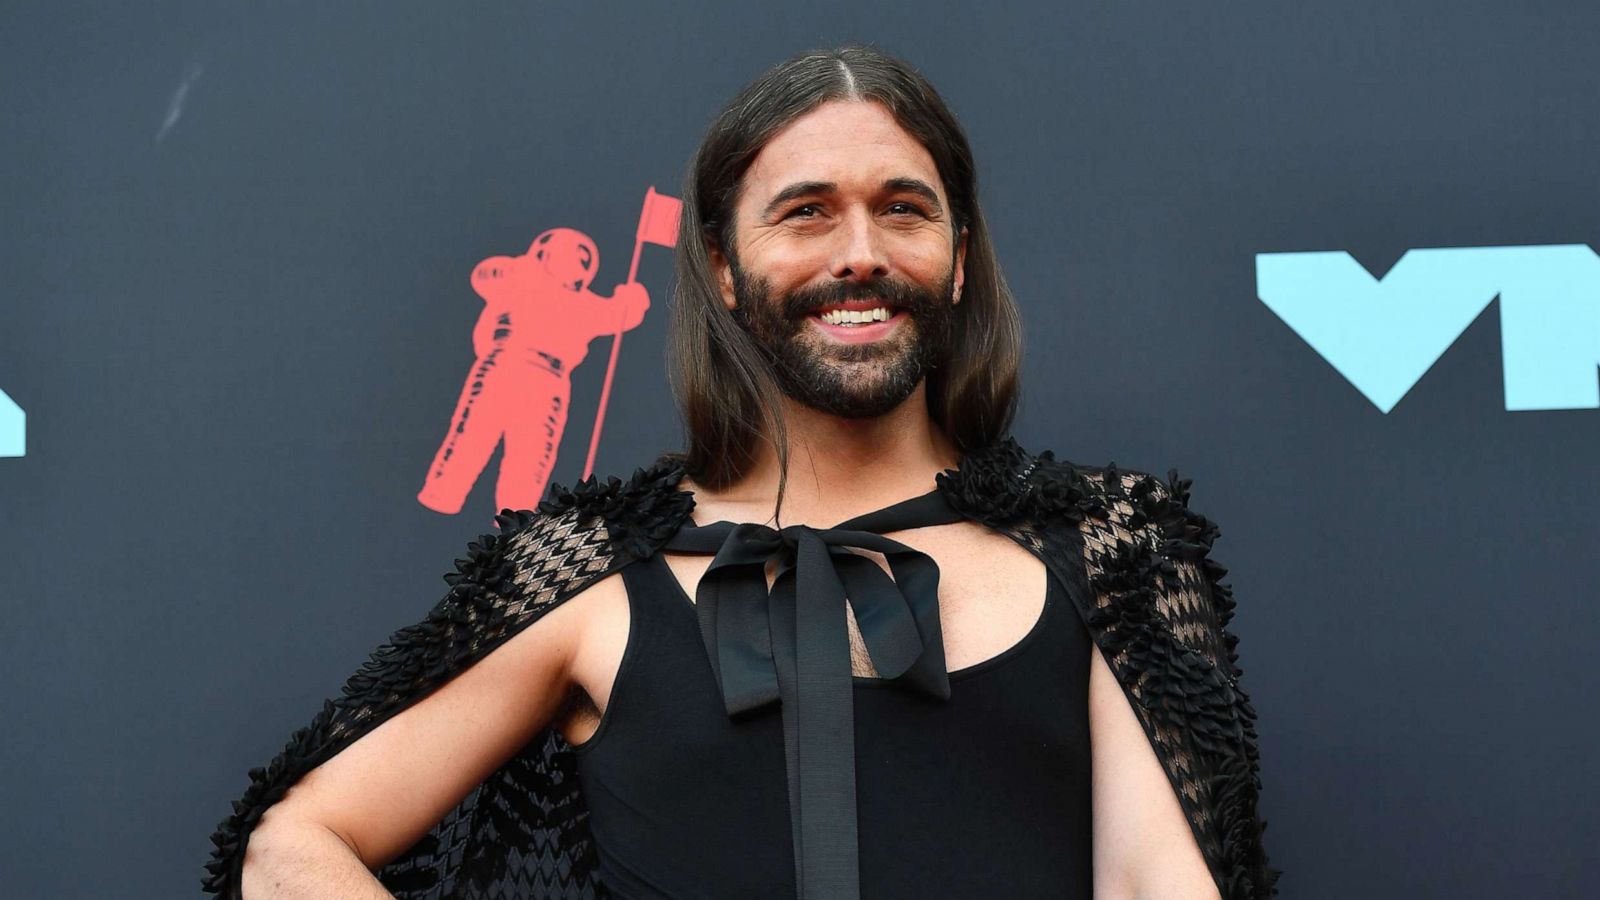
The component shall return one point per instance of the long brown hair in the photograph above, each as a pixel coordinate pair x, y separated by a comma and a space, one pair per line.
725, 389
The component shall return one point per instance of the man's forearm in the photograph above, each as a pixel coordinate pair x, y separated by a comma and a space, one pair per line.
302, 860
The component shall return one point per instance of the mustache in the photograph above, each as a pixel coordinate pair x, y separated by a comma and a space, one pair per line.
807, 301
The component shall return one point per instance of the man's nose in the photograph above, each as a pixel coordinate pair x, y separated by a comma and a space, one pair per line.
860, 253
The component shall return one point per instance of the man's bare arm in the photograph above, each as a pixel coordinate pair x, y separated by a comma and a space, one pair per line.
302, 861
367, 804
1143, 848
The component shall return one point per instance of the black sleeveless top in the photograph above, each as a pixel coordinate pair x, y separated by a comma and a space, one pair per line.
984, 795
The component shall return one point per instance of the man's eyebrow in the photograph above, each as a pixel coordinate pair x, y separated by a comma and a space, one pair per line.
798, 189
806, 188
916, 186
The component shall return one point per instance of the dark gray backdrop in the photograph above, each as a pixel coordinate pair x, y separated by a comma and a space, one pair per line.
239, 335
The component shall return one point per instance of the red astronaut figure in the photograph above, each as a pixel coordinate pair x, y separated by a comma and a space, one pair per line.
538, 319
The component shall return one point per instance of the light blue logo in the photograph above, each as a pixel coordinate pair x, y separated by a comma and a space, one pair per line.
13, 427
1382, 335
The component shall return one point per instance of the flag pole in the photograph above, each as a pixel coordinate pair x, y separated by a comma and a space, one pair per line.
616, 341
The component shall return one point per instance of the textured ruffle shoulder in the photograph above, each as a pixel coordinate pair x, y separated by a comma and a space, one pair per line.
1135, 559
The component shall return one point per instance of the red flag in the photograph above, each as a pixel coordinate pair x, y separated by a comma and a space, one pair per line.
658, 224
658, 221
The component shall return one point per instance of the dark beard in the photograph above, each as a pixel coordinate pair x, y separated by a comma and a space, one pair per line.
851, 381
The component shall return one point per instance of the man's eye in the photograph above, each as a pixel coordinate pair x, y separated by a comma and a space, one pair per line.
902, 206
800, 209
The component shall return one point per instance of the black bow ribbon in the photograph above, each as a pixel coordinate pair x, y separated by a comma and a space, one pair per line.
791, 645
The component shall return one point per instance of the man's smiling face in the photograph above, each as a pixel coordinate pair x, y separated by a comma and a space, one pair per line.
845, 210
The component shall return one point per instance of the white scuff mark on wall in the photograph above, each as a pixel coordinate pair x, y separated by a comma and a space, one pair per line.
191, 74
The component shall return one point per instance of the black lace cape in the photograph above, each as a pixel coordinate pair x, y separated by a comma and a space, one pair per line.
1135, 560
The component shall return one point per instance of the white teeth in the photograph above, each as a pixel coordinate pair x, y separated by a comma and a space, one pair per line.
843, 316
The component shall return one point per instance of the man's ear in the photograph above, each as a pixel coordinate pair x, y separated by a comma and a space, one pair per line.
722, 272
961, 265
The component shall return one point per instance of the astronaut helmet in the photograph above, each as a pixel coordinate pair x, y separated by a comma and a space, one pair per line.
568, 255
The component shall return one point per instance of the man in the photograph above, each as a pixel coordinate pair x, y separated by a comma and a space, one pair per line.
840, 317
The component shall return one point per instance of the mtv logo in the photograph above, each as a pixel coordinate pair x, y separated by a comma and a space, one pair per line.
1383, 334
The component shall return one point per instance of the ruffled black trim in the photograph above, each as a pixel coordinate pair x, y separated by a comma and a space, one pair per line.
1187, 688
992, 484
1004, 484
640, 514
